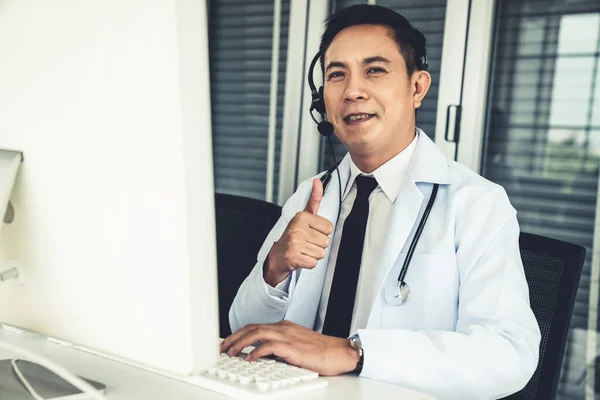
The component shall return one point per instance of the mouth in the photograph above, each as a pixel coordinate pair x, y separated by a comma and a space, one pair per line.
357, 119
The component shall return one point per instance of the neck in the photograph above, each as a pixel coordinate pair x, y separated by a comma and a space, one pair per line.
369, 161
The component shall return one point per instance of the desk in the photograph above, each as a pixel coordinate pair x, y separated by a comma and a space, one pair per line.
125, 382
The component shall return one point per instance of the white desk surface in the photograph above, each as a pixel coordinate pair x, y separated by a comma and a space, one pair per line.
125, 382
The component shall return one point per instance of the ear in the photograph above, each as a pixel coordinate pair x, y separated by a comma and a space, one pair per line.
420, 83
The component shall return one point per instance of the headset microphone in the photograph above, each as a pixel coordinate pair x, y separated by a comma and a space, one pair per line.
325, 128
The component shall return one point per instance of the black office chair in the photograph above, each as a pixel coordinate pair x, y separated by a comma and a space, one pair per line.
242, 225
552, 268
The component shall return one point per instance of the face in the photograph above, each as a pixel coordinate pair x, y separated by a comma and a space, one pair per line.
369, 97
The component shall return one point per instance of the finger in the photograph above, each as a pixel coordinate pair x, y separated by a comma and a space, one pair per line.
317, 238
262, 334
226, 343
314, 251
315, 197
304, 261
320, 224
271, 347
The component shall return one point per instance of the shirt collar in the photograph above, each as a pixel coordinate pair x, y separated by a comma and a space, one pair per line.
389, 175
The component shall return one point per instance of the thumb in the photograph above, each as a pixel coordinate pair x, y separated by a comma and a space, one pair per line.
315, 197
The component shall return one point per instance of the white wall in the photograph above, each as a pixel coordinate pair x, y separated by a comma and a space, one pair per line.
109, 102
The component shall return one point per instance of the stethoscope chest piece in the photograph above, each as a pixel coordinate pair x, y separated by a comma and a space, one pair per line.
397, 294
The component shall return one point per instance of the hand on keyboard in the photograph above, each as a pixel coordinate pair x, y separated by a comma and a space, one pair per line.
297, 345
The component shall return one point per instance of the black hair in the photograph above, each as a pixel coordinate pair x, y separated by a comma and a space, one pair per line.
411, 42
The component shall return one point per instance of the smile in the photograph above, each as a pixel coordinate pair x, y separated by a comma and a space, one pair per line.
354, 119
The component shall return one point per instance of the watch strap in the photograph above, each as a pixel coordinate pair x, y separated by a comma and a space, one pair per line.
356, 343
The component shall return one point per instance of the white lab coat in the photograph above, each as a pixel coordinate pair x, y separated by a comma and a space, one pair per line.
467, 330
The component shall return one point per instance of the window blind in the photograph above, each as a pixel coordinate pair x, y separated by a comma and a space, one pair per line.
429, 17
240, 48
543, 134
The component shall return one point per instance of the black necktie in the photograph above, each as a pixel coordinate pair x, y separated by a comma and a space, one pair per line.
347, 267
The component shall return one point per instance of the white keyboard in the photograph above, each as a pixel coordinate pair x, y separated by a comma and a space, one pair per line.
261, 379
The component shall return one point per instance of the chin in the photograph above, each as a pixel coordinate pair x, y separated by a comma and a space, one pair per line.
360, 137
360, 146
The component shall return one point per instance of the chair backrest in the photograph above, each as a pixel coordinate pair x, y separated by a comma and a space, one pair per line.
242, 225
552, 268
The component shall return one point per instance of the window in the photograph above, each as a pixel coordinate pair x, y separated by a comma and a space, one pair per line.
241, 39
543, 144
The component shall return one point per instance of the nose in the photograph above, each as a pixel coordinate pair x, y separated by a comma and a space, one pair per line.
356, 89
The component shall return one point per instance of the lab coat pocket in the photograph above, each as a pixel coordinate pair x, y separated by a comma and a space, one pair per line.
433, 301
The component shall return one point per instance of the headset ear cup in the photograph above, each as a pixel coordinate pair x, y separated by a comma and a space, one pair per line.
320, 103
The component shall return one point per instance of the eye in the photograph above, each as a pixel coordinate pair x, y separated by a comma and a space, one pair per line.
336, 74
375, 70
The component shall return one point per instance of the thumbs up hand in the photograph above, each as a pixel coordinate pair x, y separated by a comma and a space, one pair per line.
302, 244
315, 197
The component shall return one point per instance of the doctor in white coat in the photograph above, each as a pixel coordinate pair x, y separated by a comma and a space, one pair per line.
467, 330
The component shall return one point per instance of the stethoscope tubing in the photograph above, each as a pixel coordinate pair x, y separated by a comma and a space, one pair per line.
400, 284
418, 233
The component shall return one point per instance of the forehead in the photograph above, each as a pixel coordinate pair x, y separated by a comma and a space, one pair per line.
361, 41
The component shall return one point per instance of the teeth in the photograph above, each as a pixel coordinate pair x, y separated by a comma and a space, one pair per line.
358, 116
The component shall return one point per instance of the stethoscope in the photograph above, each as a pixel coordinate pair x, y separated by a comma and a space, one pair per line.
398, 293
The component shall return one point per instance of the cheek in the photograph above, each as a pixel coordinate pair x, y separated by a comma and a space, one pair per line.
329, 99
395, 102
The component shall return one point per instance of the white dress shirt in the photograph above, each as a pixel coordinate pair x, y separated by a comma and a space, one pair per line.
390, 177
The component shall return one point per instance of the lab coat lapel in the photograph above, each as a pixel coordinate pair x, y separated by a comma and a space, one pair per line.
429, 165
310, 281
404, 215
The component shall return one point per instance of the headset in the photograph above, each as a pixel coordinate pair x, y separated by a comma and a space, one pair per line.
317, 103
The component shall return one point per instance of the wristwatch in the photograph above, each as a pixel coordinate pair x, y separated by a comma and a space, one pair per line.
356, 344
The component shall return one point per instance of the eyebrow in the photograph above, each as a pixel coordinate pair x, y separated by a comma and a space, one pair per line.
366, 61
374, 59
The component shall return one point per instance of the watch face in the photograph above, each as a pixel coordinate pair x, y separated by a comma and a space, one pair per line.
355, 338
357, 345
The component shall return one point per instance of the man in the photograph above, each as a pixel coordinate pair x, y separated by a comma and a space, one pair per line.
467, 330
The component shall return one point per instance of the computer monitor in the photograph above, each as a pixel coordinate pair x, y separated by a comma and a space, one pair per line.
113, 203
